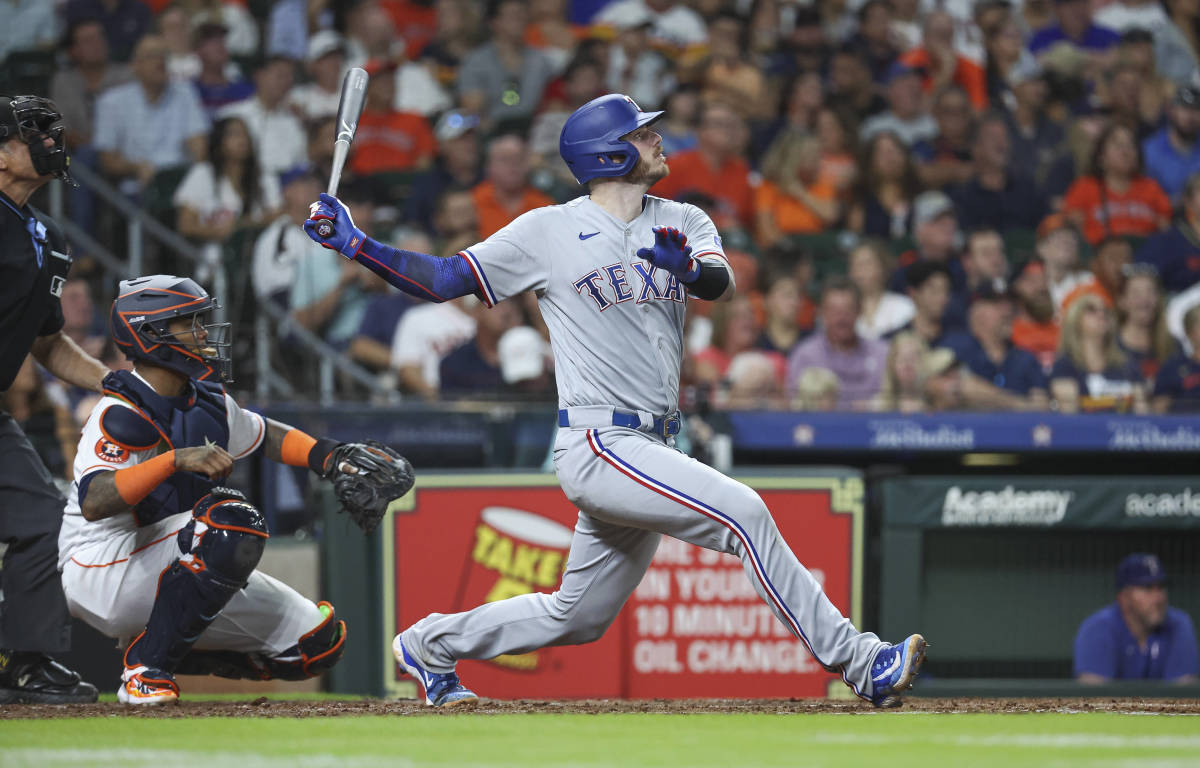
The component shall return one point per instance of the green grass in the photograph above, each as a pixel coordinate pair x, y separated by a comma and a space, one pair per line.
588, 741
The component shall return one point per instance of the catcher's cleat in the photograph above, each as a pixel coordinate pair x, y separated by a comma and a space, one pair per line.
35, 678
441, 689
143, 686
894, 669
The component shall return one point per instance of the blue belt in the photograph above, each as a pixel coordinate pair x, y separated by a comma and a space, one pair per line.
664, 426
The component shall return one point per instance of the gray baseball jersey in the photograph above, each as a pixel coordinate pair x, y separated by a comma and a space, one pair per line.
616, 326
597, 296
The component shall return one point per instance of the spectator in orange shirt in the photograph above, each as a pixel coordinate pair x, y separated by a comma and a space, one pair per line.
388, 140
715, 169
941, 65
838, 148
1116, 197
505, 193
794, 199
728, 76
1034, 328
552, 33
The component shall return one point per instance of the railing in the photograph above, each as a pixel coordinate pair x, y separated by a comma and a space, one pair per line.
140, 226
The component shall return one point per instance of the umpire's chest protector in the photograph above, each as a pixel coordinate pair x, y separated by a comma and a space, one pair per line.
187, 421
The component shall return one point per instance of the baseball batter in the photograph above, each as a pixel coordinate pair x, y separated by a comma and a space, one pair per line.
613, 272
152, 551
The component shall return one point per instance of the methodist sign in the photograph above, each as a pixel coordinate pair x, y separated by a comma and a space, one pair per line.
693, 628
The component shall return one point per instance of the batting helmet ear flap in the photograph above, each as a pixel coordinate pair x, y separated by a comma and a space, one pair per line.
592, 141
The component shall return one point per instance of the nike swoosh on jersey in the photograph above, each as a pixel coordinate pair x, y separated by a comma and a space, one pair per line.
585, 237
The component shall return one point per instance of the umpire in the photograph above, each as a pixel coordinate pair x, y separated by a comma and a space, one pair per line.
34, 264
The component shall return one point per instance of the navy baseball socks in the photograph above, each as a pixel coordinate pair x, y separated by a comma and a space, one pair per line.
441, 689
894, 669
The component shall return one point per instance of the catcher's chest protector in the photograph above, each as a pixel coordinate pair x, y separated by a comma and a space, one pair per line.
188, 421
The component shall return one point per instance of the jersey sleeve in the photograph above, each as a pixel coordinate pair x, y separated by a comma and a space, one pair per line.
511, 261
246, 429
110, 440
1184, 657
1095, 650
702, 235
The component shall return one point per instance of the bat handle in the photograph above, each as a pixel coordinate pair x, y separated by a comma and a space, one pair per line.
341, 148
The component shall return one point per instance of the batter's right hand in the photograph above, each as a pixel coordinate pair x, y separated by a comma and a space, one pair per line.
210, 460
329, 224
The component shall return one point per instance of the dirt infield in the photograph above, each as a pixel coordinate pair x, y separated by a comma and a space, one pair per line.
263, 707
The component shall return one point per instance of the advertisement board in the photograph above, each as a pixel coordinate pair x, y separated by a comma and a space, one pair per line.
1036, 501
694, 627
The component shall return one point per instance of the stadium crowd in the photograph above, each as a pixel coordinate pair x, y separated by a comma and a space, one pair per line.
928, 204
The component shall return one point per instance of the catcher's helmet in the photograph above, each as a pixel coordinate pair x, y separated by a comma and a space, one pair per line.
144, 308
30, 119
592, 135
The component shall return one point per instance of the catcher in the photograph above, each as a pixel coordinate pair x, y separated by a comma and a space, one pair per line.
153, 551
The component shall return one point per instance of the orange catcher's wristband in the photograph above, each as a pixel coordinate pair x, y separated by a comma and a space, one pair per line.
296, 447
135, 483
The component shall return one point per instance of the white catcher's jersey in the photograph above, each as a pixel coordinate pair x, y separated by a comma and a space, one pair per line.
615, 321
97, 453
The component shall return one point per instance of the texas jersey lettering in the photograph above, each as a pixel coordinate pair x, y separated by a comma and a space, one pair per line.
599, 296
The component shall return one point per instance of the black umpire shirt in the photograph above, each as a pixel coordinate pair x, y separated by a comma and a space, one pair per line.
33, 268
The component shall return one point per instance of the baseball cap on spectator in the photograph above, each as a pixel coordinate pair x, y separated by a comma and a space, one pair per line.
632, 17
1052, 224
207, 30
917, 273
1140, 569
1025, 70
992, 290
1033, 265
899, 69
1188, 95
295, 173
1065, 59
453, 124
1135, 35
522, 352
323, 43
931, 205
937, 361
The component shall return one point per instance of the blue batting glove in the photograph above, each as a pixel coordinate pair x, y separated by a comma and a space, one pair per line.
329, 224
672, 253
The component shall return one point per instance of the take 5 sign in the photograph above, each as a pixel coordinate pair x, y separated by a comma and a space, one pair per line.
693, 628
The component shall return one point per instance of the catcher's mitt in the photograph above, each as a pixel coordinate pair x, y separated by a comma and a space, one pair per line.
366, 478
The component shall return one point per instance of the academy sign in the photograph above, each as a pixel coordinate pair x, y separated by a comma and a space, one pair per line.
1007, 506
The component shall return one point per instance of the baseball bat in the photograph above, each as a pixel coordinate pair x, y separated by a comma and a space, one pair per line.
350, 107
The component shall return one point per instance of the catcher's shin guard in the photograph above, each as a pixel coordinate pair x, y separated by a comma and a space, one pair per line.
222, 546
316, 652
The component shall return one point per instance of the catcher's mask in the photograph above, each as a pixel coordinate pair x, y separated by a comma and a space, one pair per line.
141, 316
32, 119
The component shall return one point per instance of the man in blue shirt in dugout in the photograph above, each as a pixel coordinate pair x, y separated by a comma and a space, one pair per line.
1139, 637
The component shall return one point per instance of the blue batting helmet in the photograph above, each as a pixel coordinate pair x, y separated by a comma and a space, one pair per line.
141, 316
592, 135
